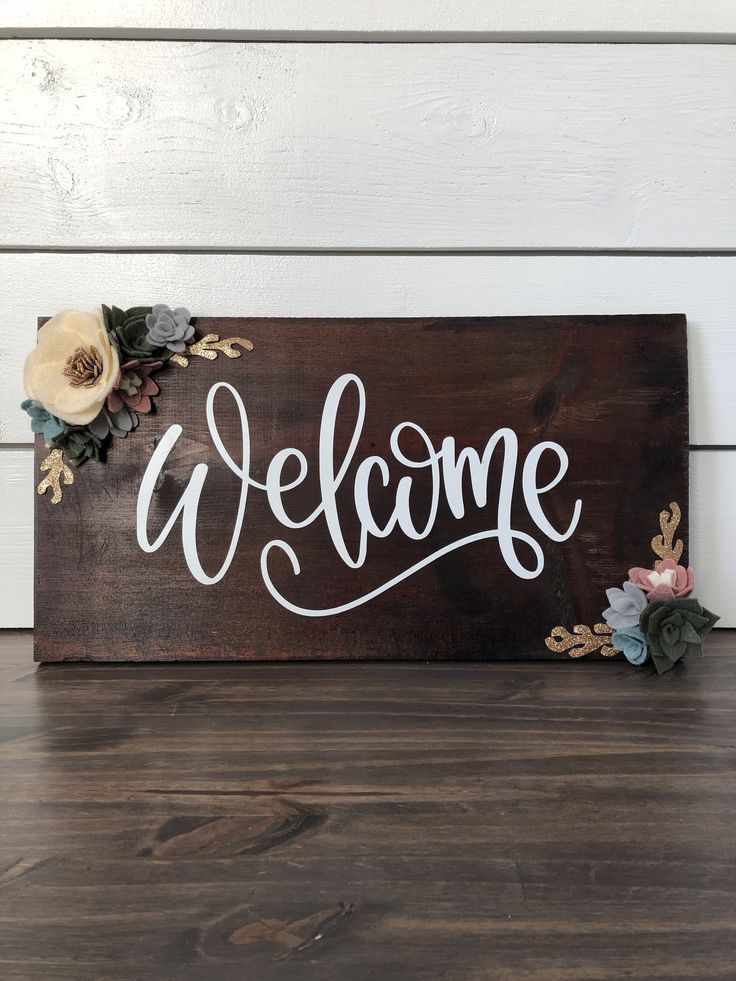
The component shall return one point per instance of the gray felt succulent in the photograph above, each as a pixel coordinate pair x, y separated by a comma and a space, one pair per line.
169, 328
118, 423
626, 606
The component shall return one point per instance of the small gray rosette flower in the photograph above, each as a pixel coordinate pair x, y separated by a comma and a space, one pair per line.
675, 629
633, 643
626, 606
169, 328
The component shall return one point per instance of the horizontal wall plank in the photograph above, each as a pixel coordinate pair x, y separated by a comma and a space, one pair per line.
16, 537
704, 288
338, 146
712, 534
560, 19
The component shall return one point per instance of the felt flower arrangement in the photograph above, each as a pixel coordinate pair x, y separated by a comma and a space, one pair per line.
89, 378
652, 617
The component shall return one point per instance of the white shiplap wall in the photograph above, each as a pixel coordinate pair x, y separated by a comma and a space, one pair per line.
357, 146
581, 20
509, 154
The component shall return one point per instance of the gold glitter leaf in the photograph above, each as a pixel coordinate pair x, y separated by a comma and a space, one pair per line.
582, 640
209, 346
57, 471
662, 545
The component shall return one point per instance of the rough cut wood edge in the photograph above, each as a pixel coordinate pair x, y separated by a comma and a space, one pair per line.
704, 288
712, 533
573, 20
331, 146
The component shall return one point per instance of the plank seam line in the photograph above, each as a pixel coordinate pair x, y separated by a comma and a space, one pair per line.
314, 36
307, 251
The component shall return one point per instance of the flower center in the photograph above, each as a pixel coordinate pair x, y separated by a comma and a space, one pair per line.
671, 633
130, 382
84, 367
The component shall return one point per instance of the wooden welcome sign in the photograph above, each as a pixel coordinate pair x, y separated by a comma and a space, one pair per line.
421, 488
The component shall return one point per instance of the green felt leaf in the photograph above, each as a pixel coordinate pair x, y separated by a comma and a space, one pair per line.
118, 317
712, 621
688, 633
137, 324
107, 318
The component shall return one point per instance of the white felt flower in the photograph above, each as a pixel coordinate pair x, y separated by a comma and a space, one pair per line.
73, 366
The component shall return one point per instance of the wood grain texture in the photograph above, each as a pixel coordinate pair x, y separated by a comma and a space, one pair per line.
534, 382
478, 821
457, 146
554, 19
387, 286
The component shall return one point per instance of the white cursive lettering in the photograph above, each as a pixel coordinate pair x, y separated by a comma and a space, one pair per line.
444, 467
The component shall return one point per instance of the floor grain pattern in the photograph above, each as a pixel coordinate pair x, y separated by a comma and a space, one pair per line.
367, 820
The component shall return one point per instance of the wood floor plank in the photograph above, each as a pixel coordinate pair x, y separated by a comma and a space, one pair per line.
495, 820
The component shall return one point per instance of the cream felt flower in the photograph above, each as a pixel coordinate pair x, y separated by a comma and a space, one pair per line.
73, 366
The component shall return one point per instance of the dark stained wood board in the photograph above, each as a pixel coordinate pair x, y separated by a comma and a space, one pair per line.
612, 391
482, 821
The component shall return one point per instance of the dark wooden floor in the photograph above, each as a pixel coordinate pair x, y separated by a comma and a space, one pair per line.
354, 821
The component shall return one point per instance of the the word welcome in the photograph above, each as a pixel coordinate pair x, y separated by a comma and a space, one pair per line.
445, 467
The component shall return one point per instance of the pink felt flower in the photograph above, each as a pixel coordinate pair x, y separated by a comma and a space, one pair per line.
667, 581
134, 387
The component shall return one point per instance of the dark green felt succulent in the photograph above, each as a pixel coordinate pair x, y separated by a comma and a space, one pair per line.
79, 445
129, 331
675, 629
